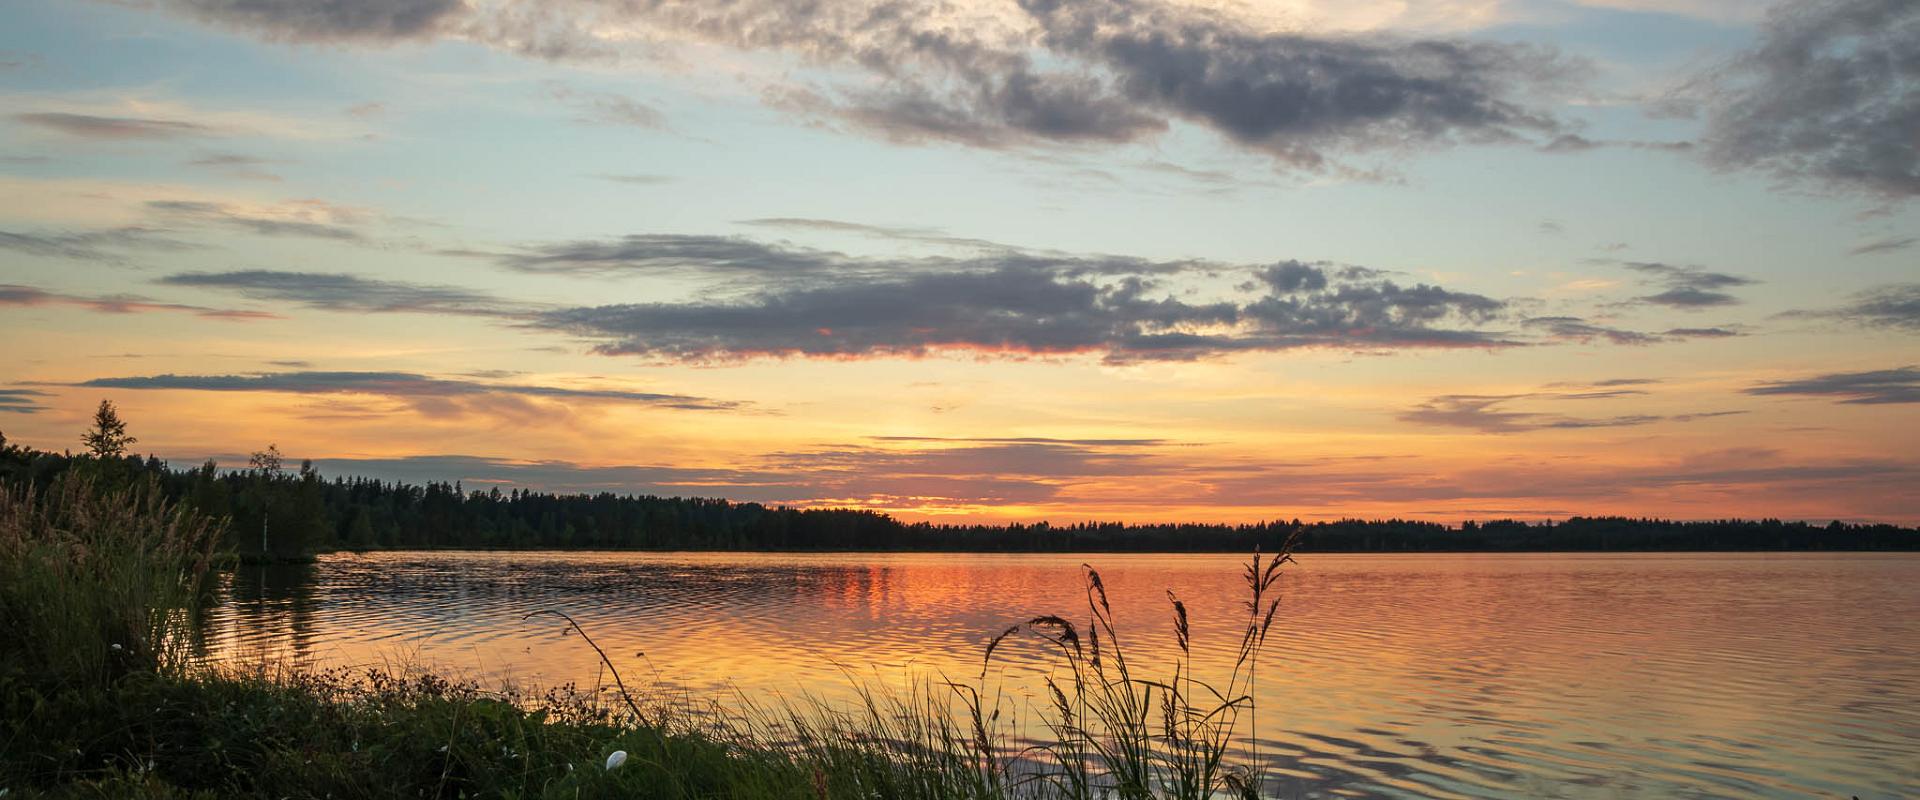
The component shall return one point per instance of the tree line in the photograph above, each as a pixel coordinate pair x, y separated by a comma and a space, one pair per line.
277, 512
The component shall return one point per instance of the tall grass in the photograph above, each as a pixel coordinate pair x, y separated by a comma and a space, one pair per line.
99, 582
101, 587
1116, 733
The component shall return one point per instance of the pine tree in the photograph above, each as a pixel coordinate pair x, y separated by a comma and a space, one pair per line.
108, 438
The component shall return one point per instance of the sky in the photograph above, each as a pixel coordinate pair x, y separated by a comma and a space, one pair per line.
986, 260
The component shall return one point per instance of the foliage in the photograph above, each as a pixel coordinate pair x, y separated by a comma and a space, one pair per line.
97, 582
108, 438
149, 720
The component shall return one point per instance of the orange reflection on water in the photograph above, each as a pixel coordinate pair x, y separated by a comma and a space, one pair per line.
1431, 676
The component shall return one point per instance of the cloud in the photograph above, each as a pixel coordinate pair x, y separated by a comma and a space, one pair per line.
606, 108
1887, 245
327, 20
920, 235
16, 295
1900, 385
1688, 287
402, 385
1579, 330
1021, 306
88, 126
308, 218
1575, 143
1098, 72
1896, 306
1297, 97
94, 245
1701, 333
1041, 440
343, 292
237, 165
665, 252
1489, 413
637, 179
21, 401
1826, 97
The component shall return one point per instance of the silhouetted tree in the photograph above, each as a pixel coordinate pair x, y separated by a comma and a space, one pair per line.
108, 437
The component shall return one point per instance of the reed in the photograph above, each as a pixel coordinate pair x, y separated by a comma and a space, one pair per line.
97, 582
1118, 734
84, 567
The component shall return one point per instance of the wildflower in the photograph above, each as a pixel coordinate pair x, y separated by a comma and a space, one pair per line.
614, 761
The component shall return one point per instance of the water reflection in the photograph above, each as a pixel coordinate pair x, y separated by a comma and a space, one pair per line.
1418, 676
269, 611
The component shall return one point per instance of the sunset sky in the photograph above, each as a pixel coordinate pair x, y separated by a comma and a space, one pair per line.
986, 260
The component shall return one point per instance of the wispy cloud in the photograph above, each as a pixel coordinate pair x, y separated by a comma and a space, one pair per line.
607, 108
89, 126
1878, 387
308, 218
1688, 287
408, 386
17, 295
21, 401
1895, 307
1892, 244
636, 178
1492, 413
343, 292
110, 245
1577, 329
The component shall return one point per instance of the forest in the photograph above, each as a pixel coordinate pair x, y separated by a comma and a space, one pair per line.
280, 512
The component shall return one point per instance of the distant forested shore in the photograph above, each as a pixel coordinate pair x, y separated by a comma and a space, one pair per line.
278, 512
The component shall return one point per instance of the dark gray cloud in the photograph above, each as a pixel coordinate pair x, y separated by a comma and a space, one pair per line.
1887, 245
313, 220
88, 126
1103, 71
21, 401
1896, 306
16, 295
342, 292
1579, 330
1688, 287
327, 20
1701, 333
690, 254
1299, 97
1827, 96
1029, 307
1900, 385
403, 385
701, 256
1489, 413
107, 245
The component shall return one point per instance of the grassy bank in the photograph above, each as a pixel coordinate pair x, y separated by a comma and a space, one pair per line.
102, 695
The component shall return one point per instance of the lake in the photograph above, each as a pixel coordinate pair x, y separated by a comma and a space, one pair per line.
1512, 675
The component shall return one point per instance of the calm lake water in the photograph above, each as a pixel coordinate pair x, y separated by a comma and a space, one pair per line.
1723, 675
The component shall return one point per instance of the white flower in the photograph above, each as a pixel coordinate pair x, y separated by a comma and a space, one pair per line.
614, 761
118, 648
